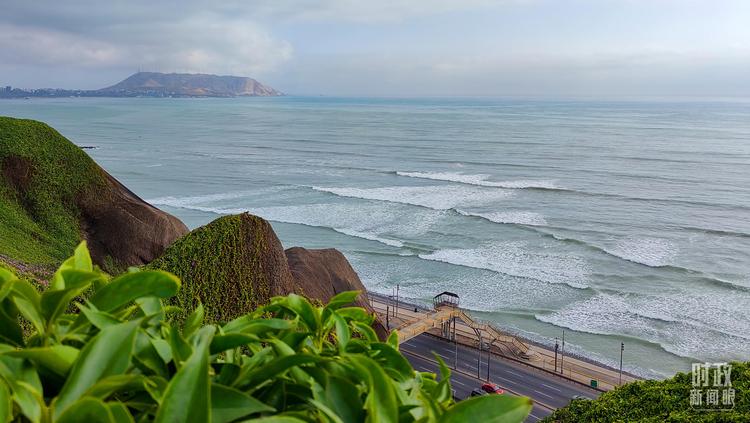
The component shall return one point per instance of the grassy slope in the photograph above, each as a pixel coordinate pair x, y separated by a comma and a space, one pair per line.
658, 401
210, 258
40, 223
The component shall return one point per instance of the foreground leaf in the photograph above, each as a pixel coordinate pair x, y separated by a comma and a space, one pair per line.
87, 410
57, 358
489, 409
131, 286
6, 406
107, 354
229, 404
188, 395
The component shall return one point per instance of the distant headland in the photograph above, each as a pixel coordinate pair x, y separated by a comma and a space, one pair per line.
155, 84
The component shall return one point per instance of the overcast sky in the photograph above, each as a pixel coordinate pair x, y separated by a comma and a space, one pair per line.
389, 47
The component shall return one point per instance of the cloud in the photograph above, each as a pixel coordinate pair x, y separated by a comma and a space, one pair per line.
149, 35
386, 47
363, 11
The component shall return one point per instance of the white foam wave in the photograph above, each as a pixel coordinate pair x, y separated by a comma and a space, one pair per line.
198, 199
510, 217
480, 180
370, 223
687, 326
370, 236
434, 197
518, 259
653, 252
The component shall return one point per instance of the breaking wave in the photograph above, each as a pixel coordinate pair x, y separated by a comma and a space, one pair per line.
481, 180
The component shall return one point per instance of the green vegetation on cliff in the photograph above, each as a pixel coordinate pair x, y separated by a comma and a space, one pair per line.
121, 360
232, 265
659, 401
42, 177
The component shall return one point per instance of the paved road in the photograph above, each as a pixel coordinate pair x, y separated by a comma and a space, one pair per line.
546, 390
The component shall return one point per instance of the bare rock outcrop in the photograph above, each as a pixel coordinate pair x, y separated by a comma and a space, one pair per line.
321, 274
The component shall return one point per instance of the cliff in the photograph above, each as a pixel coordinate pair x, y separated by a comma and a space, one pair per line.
236, 263
322, 274
186, 84
231, 265
53, 195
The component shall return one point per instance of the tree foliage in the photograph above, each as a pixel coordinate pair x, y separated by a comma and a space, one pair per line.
658, 401
119, 359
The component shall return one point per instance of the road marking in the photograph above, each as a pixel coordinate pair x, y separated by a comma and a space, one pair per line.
537, 402
535, 416
460, 383
542, 393
514, 373
551, 387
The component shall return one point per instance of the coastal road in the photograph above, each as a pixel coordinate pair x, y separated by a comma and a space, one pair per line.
547, 390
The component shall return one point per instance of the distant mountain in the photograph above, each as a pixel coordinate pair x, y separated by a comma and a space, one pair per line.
154, 84
188, 84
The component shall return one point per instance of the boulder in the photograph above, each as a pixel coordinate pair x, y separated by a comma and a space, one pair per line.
53, 195
321, 274
231, 265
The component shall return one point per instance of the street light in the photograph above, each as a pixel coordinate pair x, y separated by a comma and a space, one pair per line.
455, 344
479, 357
557, 346
622, 348
489, 358
562, 354
397, 288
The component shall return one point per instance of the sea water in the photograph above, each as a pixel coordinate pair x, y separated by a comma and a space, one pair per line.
613, 221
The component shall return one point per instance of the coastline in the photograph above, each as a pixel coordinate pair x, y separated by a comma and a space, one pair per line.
579, 367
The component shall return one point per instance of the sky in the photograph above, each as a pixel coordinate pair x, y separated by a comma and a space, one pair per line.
403, 48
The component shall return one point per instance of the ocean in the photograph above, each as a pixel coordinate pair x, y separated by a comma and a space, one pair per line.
612, 221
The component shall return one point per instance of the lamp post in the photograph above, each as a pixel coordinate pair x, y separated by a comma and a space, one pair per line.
397, 288
455, 343
622, 348
557, 346
489, 359
479, 357
562, 354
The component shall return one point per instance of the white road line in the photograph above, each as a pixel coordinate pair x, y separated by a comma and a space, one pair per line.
535, 416
551, 387
459, 382
514, 373
542, 393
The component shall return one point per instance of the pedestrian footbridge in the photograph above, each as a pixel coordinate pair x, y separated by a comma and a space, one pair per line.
451, 322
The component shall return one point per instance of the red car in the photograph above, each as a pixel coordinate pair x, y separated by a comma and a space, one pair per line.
491, 388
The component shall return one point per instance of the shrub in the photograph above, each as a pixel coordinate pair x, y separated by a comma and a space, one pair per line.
120, 360
658, 401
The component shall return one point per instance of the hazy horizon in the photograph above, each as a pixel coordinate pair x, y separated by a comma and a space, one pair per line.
446, 48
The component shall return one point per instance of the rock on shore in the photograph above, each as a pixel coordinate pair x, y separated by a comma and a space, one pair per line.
321, 274
53, 195
236, 263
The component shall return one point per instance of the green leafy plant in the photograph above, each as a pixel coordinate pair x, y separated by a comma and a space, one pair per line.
119, 359
658, 401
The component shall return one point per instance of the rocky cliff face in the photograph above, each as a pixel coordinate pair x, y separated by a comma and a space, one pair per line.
126, 228
321, 274
187, 84
53, 195
231, 265
236, 263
